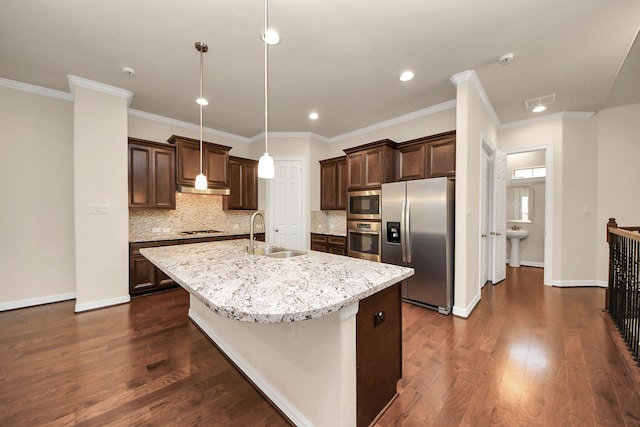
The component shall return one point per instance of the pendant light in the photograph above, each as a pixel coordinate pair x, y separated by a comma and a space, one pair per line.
266, 167
201, 179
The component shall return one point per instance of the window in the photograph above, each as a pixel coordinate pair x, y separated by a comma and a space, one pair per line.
529, 173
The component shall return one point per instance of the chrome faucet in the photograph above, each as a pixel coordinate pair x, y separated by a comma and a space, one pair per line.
251, 247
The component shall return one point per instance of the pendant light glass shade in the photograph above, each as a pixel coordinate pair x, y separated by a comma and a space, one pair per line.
201, 182
201, 179
266, 167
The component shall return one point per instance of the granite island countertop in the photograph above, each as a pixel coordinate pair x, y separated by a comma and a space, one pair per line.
257, 288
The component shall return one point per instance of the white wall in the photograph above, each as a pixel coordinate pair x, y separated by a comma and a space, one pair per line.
100, 177
474, 125
160, 131
575, 176
438, 122
579, 202
618, 153
36, 220
535, 135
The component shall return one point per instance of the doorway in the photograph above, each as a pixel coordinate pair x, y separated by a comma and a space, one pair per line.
536, 249
287, 204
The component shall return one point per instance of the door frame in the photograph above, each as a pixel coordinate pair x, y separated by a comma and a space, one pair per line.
304, 190
486, 212
548, 205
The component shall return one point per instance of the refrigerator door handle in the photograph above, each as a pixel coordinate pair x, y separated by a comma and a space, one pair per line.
403, 240
407, 231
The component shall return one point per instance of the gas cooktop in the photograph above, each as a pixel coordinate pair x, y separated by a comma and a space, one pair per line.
200, 232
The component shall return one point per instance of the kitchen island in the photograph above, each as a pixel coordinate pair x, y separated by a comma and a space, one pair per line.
298, 327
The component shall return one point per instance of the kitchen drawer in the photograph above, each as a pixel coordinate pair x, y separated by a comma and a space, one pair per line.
337, 240
318, 238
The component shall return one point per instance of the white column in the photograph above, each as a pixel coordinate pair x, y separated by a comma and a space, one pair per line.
101, 210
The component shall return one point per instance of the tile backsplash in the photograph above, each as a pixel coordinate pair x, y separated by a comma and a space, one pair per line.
328, 220
193, 212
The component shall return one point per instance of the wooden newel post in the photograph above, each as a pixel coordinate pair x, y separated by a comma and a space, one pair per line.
611, 224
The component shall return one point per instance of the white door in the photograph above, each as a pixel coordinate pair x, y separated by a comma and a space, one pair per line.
287, 205
499, 233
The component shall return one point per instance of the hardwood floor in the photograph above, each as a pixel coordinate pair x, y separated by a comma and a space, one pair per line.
529, 355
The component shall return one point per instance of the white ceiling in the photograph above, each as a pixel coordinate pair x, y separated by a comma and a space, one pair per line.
341, 58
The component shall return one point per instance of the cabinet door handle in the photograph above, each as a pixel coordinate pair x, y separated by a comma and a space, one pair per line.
378, 318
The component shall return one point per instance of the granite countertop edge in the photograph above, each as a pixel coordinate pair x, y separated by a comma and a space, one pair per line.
158, 237
339, 233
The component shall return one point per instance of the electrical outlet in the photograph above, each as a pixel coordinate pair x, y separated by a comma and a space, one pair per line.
166, 230
156, 230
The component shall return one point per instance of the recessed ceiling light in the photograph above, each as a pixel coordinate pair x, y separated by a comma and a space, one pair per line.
313, 116
406, 76
271, 37
506, 58
128, 71
539, 109
202, 101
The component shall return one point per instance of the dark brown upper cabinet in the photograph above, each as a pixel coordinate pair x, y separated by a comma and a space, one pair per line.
333, 183
370, 165
152, 175
215, 158
428, 157
243, 184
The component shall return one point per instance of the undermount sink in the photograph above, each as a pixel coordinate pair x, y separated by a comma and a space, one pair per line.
277, 252
515, 236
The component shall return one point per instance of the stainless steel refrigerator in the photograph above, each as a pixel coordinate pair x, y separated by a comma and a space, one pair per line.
417, 232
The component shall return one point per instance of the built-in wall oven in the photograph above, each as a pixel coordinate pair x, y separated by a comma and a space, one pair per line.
364, 240
363, 205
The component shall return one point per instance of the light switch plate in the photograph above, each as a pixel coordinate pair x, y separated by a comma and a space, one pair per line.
99, 209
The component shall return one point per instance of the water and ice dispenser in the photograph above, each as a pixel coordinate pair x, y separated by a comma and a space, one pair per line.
393, 232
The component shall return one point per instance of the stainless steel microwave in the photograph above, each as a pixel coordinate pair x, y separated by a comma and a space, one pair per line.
363, 205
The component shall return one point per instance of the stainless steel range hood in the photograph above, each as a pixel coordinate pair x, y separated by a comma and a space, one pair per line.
208, 191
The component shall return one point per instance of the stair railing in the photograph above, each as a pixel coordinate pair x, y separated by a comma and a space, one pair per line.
622, 297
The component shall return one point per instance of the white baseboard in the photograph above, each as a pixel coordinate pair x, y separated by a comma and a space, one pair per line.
578, 283
529, 263
12, 305
102, 303
280, 401
466, 311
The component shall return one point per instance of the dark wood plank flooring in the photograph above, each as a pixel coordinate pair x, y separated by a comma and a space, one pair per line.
530, 355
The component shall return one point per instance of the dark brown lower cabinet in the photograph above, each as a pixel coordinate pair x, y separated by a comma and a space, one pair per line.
336, 245
378, 352
144, 277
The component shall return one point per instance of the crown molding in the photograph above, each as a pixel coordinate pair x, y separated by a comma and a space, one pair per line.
472, 77
38, 90
396, 120
547, 118
311, 135
99, 87
186, 125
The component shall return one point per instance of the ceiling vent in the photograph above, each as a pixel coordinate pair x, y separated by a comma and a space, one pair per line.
543, 100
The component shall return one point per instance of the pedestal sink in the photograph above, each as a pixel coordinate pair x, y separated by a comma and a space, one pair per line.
515, 236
